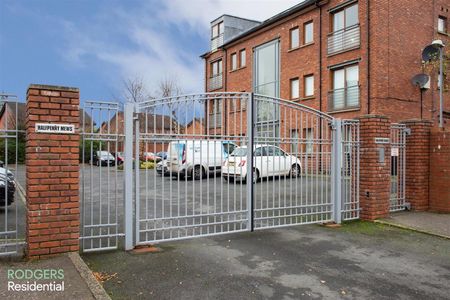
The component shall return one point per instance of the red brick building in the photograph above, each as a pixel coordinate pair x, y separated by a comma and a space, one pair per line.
344, 57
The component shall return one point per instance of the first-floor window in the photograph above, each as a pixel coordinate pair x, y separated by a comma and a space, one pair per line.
309, 140
345, 92
308, 33
309, 85
294, 88
216, 68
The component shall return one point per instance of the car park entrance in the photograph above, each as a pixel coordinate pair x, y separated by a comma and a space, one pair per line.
227, 162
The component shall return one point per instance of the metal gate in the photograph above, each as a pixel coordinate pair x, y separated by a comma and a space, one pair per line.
102, 177
398, 167
12, 176
186, 168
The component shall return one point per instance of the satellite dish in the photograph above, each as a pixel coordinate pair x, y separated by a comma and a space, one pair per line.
422, 81
430, 53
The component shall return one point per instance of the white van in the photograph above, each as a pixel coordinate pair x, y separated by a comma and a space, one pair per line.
196, 158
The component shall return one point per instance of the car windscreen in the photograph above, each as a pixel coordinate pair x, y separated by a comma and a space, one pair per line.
239, 152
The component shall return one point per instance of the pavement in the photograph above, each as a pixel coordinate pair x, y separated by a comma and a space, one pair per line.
78, 280
360, 260
426, 222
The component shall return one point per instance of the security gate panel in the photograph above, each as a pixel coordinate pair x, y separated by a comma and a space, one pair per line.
398, 167
292, 164
12, 178
181, 145
101, 176
214, 163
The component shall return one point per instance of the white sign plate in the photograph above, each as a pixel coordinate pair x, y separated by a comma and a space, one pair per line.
394, 151
54, 128
379, 140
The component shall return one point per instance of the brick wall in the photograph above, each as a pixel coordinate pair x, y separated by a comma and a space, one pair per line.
374, 176
417, 163
52, 172
440, 170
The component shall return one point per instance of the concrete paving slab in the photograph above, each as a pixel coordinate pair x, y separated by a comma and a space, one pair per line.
428, 222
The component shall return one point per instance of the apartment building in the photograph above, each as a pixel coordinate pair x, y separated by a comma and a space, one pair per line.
343, 57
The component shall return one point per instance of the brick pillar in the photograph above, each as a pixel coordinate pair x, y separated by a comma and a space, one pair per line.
440, 170
375, 175
52, 172
418, 163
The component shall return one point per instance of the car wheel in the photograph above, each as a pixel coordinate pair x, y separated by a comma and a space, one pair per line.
255, 175
198, 172
295, 171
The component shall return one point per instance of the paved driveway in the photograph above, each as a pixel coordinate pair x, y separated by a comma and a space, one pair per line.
358, 261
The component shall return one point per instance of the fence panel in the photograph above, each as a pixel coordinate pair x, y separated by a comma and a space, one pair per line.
398, 167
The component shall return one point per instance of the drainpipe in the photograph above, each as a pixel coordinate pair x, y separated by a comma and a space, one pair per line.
368, 55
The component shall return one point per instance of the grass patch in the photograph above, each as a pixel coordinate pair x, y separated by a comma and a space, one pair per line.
366, 227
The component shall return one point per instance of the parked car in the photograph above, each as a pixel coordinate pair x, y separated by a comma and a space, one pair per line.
150, 156
103, 158
119, 157
162, 154
268, 161
161, 168
197, 157
6, 184
8, 173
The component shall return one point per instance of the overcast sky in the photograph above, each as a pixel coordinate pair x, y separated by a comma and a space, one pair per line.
95, 44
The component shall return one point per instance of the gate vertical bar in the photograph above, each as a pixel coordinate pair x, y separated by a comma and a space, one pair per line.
250, 136
128, 169
336, 174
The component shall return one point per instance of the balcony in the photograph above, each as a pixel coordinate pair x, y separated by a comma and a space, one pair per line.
344, 39
215, 120
216, 42
215, 82
343, 99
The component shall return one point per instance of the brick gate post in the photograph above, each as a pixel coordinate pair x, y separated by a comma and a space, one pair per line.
52, 171
375, 164
418, 163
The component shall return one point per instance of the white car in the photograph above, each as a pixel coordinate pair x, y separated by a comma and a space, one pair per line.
268, 161
197, 158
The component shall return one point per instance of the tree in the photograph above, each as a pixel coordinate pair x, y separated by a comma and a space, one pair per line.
135, 90
168, 87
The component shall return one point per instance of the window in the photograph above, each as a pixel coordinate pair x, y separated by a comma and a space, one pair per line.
229, 148
345, 88
216, 68
442, 24
242, 58
308, 33
294, 142
217, 30
294, 88
294, 38
233, 61
309, 141
345, 18
309, 85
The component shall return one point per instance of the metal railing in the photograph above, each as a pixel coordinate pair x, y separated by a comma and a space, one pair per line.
344, 39
216, 42
215, 82
343, 99
12, 177
398, 167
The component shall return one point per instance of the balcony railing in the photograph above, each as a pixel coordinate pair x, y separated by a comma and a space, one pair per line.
343, 99
215, 120
215, 82
344, 39
216, 42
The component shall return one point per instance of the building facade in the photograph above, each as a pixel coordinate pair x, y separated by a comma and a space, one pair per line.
343, 57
